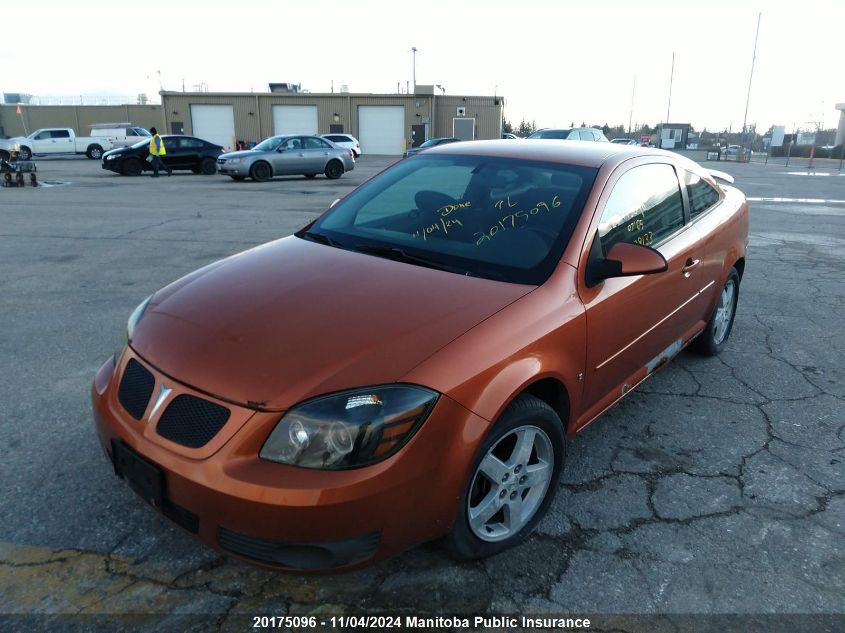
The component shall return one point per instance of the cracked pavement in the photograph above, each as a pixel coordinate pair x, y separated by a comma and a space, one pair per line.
718, 486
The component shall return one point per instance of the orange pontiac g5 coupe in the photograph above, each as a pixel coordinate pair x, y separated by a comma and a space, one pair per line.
410, 364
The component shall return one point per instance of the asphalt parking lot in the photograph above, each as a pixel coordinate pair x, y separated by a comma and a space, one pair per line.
715, 488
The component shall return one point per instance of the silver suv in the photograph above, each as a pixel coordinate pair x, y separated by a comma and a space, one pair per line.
572, 134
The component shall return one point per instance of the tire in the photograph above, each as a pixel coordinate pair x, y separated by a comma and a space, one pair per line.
131, 167
25, 153
4, 155
334, 169
526, 441
310, 175
260, 172
238, 178
208, 166
95, 152
711, 341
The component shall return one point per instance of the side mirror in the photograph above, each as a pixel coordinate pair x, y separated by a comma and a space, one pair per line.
625, 260
280, 150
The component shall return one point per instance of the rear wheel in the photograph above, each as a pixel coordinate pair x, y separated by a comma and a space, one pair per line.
95, 152
208, 166
131, 167
711, 341
512, 482
260, 172
334, 170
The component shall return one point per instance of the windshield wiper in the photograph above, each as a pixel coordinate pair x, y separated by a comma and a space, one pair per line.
397, 254
321, 238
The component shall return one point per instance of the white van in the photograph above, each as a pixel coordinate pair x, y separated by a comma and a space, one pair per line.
120, 134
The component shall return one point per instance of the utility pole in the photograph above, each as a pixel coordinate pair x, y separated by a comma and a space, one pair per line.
669, 104
750, 77
414, 52
631, 114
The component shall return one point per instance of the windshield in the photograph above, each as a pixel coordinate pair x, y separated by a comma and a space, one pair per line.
432, 141
499, 218
144, 143
559, 134
270, 144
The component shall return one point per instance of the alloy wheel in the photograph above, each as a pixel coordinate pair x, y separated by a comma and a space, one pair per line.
510, 484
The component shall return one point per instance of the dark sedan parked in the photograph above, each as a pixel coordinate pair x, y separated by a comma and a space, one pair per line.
432, 142
183, 152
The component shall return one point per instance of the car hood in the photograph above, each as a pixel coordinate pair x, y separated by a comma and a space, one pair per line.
126, 149
242, 154
294, 319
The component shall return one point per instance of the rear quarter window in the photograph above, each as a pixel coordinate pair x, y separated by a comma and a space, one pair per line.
702, 195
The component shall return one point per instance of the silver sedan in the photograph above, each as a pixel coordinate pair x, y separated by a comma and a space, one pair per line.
286, 156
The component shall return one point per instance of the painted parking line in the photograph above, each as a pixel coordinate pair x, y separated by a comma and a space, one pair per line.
797, 200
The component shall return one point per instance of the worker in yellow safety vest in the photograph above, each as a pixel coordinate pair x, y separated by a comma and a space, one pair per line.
157, 150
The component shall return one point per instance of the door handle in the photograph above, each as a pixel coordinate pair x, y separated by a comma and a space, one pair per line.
691, 263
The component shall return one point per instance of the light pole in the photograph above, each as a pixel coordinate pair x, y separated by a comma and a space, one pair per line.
414, 52
669, 104
631, 114
750, 77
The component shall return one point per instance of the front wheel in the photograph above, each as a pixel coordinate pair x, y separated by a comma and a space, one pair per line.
25, 153
95, 152
260, 172
711, 341
512, 482
132, 167
334, 170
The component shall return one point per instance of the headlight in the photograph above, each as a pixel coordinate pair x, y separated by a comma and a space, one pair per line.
234, 161
349, 429
111, 156
135, 318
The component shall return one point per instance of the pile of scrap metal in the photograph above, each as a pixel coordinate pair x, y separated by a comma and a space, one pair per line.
15, 165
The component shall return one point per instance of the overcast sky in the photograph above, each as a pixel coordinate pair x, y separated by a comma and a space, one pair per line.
555, 62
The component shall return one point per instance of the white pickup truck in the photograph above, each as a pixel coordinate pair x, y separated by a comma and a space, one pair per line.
55, 140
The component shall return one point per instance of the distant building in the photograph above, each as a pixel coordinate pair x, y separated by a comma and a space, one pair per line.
673, 135
840, 132
383, 123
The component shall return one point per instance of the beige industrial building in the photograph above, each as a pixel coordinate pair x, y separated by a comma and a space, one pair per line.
384, 124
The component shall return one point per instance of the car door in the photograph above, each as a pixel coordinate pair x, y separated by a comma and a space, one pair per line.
316, 154
288, 158
177, 154
190, 152
62, 142
52, 142
634, 324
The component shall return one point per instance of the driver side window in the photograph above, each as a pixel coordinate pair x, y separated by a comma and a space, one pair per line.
644, 207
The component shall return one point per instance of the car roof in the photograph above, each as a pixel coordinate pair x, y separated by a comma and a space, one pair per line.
551, 150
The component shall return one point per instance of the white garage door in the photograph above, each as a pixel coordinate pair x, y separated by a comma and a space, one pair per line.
294, 119
381, 129
214, 123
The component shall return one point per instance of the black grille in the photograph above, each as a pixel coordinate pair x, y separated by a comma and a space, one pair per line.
135, 389
315, 555
191, 421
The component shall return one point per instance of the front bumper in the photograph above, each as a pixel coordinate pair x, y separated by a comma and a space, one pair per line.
289, 517
239, 169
